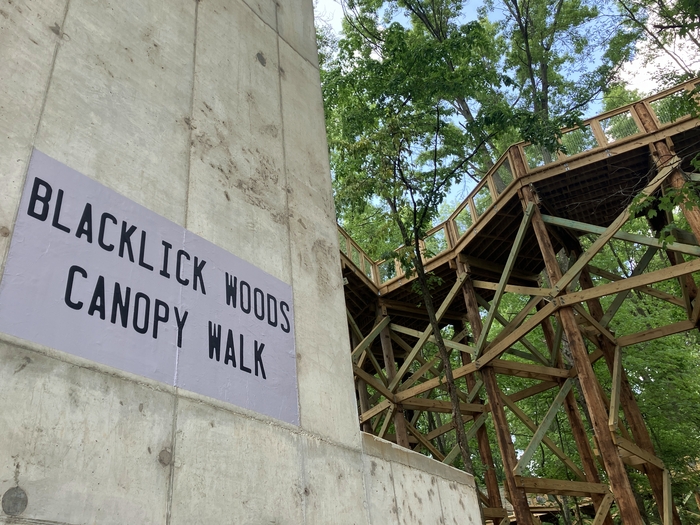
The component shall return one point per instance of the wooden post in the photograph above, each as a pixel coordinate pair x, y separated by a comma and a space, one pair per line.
629, 404
619, 482
590, 467
362, 394
518, 497
494, 494
390, 366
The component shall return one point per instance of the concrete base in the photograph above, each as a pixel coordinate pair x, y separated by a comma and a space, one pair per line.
90, 444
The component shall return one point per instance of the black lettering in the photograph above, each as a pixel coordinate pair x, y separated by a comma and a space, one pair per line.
98, 299
240, 353
180, 321
141, 329
230, 350
285, 326
101, 235
214, 341
158, 317
258, 292
120, 303
42, 199
85, 224
271, 309
69, 286
142, 250
245, 294
125, 241
231, 285
198, 274
258, 359
178, 268
57, 214
166, 248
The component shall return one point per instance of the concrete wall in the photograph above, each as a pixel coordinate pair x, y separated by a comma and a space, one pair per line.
210, 114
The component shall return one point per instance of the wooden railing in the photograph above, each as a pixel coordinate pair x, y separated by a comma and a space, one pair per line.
595, 134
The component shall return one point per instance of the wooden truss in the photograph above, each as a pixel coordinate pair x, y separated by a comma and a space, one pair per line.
399, 378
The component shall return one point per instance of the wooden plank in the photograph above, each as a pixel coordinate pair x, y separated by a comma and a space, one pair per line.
427, 444
512, 325
541, 431
603, 509
491, 513
510, 263
655, 333
620, 298
449, 343
427, 333
387, 421
532, 391
615, 392
496, 349
474, 262
668, 499
371, 337
520, 414
514, 368
560, 487
373, 382
643, 289
434, 383
630, 283
637, 451
599, 328
687, 249
377, 409
443, 407
442, 429
521, 290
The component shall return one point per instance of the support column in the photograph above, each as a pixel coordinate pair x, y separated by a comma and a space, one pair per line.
590, 467
629, 405
494, 494
619, 482
362, 394
390, 366
518, 497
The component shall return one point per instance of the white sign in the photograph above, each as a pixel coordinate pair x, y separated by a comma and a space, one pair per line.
96, 275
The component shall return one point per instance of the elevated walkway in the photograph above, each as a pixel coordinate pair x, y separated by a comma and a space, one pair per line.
503, 239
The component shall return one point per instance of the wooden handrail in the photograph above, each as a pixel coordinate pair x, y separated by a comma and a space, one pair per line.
452, 233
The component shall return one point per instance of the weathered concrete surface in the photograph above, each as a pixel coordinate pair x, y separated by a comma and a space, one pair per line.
210, 114
27, 47
83, 445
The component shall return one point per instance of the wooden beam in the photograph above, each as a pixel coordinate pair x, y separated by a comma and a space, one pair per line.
603, 510
390, 365
443, 407
370, 337
560, 487
637, 451
620, 298
643, 289
376, 410
514, 368
521, 290
373, 382
615, 391
448, 342
624, 236
522, 416
655, 333
427, 444
510, 263
541, 431
427, 333
630, 283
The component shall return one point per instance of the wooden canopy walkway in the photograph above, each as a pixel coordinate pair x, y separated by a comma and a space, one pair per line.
504, 239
